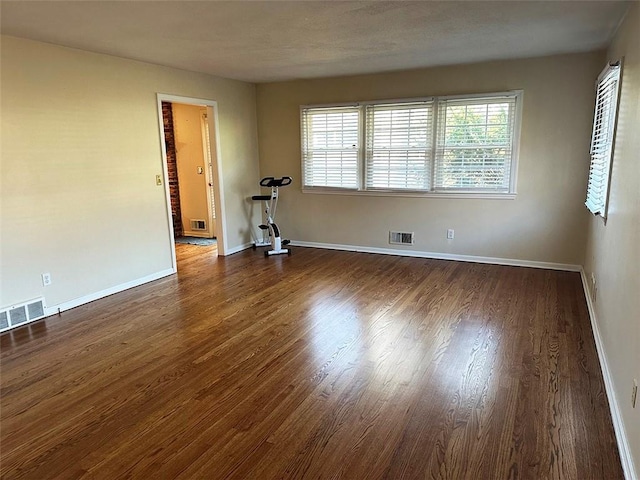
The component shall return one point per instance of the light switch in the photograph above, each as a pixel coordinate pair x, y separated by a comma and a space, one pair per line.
158, 180
200, 170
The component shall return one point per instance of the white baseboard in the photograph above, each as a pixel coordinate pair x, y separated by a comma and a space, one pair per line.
441, 256
61, 307
618, 425
239, 248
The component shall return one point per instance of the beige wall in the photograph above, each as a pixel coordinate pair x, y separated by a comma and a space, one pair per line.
613, 250
547, 221
187, 126
81, 147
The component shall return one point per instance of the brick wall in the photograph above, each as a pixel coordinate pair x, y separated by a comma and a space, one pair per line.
172, 168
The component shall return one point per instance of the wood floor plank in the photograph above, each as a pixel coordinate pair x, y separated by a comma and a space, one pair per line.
325, 364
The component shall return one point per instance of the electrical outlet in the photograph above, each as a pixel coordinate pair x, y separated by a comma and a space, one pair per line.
634, 393
450, 233
46, 279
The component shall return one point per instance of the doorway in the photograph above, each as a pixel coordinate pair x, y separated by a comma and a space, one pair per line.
192, 173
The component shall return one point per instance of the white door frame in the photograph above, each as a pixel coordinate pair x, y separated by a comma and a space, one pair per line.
214, 132
205, 128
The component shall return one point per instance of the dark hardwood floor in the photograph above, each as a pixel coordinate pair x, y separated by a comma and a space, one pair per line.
325, 364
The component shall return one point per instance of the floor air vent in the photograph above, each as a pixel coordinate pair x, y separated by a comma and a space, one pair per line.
198, 225
20, 314
401, 238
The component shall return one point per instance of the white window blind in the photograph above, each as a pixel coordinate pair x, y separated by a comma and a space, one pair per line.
399, 144
475, 145
428, 146
602, 139
331, 146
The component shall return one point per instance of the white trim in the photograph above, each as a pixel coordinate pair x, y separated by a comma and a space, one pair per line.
363, 130
479, 96
413, 194
165, 179
441, 256
515, 145
221, 222
218, 181
483, 96
208, 171
602, 208
614, 406
330, 105
61, 307
239, 248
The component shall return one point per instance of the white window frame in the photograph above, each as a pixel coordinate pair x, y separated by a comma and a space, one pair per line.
303, 135
369, 149
471, 193
599, 206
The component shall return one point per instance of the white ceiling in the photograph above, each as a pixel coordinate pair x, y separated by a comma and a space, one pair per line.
281, 40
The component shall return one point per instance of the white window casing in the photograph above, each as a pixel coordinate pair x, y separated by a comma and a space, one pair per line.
475, 145
456, 146
399, 146
603, 138
331, 147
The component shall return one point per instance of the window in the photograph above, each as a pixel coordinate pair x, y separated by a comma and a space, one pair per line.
399, 141
331, 137
602, 139
475, 144
439, 145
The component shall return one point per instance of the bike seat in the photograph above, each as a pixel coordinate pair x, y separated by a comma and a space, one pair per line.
275, 182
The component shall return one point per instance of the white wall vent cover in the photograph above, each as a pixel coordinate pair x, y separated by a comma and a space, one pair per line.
17, 315
401, 238
198, 225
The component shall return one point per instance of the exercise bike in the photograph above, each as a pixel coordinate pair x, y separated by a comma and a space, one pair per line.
270, 231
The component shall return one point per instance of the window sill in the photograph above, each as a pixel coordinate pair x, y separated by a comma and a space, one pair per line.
382, 193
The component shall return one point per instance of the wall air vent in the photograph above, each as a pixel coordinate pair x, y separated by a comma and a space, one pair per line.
401, 238
22, 313
198, 225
